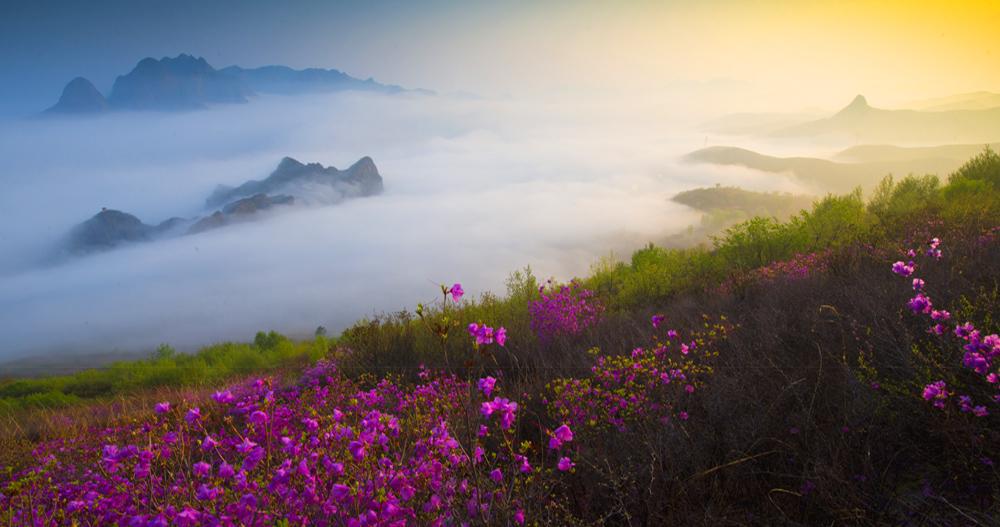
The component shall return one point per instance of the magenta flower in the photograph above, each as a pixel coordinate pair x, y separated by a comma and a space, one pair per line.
936, 392
496, 475
162, 408
202, 469
501, 336
657, 320
565, 464
918, 284
456, 291
340, 492
193, 415
564, 434
903, 269
486, 385
258, 417
357, 449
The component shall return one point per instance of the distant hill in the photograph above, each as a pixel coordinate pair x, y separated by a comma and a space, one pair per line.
287, 81
186, 82
875, 153
309, 182
822, 174
79, 96
291, 183
860, 122
979, 100
724, 207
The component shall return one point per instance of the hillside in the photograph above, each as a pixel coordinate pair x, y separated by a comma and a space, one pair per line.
804, 356
824, 175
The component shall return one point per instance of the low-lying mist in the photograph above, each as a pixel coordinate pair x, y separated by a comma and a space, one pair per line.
474, 189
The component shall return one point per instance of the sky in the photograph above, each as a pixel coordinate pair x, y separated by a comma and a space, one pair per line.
800, 54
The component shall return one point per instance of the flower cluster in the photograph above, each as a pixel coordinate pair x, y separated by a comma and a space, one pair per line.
649, 383
325, 451
483, 334
797, 267
564, 310
980, 352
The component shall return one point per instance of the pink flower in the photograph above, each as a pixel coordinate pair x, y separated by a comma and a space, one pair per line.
657, 320
501, 336
162, 408
456, 292
357, 449
340, 492
519, 517
486, 385
496, 475
902, 269
193, 415
918, 284
202, 469
565, 464
564, 434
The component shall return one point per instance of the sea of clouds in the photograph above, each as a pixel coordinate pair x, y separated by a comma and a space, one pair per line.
475, 188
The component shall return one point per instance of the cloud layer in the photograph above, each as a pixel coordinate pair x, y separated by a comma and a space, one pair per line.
474, 190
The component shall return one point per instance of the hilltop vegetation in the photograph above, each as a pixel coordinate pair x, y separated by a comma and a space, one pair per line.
786, 375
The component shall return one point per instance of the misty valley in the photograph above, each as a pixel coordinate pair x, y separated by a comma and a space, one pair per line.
457, 264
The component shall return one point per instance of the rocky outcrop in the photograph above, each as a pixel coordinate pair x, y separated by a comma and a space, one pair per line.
309, 182
180, 83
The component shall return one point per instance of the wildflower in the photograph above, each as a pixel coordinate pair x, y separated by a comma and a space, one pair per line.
208, 443
258, 417
519, 517
357, 449
903, 269
193, 415
683, 415
223, 397
456, 292
918, 284
919, 304
496, 475
202, 469
565, 464
162, 408
340, 492
657, 320
486, 385
936, 392
940, 315
501, 336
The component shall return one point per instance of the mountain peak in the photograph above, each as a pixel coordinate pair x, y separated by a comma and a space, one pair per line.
859, 104
80, 96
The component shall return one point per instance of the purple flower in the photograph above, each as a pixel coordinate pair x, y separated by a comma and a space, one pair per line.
202, 469
340, 492
903, 269
193, 415
501, 336
258, 417
456, 291
936, 392
496, 475
357, 449
486, 385
657, 320
162, 408
565, 464
920, 304
564, 434
918, 284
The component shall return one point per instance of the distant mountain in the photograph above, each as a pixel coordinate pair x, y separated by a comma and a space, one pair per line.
186, 82
287, 81
308, 182
876, 153
79, 96
291, 183
822, 174
979, 100
180, 83
111, 228
862, 123
239, 210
